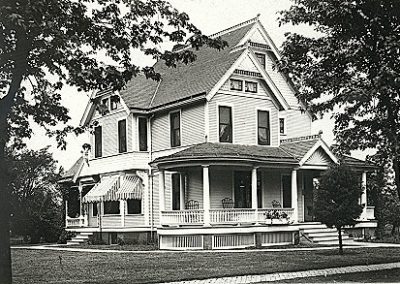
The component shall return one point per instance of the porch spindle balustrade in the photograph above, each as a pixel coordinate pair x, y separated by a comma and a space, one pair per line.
227, 216
76, 222
181, 217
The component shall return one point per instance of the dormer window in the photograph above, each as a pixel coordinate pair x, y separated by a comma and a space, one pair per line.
236, 85
261, 58
250, 87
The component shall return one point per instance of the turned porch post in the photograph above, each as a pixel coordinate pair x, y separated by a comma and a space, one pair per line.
364, 194
182, 192
122, 212
206, 195
254, 200
294, 196
80, 199
161, 189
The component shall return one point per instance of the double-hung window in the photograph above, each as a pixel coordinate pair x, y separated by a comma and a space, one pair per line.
236, 85
250, 87
175, 122
97, 142
225, 124
122, 136
142, 134
264, 136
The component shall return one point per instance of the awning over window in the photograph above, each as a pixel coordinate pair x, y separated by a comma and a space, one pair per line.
131, 188
105, 190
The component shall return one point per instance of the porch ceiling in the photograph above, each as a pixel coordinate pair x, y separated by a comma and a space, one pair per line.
227, 153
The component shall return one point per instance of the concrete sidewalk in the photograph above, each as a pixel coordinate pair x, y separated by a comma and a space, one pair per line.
291, 275
349, 244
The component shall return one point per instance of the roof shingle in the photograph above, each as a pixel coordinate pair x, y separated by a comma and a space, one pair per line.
184, 81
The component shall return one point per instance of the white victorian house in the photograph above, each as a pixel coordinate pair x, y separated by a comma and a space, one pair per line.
216, 155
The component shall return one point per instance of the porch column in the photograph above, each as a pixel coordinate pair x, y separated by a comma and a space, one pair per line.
161, 189
206, 195
122, 212
80, 200
364, 195
254, 200
182, 192
294, 196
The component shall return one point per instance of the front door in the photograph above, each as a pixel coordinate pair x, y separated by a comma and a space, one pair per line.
242, 181
310, 185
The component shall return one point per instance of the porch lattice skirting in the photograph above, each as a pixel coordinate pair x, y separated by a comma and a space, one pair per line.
225, 238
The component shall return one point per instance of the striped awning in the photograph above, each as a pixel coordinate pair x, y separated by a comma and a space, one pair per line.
105, 190
131, 188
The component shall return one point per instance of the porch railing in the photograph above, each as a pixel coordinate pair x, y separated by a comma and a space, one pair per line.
80, 221
370, 213
181, 217
228, 216
234, 215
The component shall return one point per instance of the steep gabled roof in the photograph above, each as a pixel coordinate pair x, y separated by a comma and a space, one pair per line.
185, 81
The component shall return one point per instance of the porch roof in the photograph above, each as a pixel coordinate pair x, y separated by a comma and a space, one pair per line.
217, 152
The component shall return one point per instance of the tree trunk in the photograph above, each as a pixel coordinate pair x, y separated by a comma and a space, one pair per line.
6, 105
5, 254
340, 240
396, 174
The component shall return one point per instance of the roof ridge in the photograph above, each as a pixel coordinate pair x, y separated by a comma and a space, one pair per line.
220, 33
235, 27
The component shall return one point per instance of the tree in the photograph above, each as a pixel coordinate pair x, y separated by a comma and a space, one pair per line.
45, 44
336, 201
35, 196
352, 67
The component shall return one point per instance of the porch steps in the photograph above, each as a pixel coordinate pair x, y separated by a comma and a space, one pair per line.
320, 233
80, 238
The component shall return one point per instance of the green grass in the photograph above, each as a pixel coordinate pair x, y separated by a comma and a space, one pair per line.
382, 276
43, 266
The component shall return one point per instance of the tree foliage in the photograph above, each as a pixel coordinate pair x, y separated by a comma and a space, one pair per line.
337, 199
89, 44
351, 68
35, 196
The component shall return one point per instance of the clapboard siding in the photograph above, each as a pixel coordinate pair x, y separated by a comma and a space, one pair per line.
297, 123
120, 162
300, 196
193, 125
195, 192
281, 82
244, 112
109, 124
192, 128
220, 186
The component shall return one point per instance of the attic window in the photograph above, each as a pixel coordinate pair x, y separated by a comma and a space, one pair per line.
250, 87
106, 103
236, 85
261, 58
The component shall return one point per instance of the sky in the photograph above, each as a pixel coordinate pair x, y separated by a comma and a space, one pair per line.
210, 16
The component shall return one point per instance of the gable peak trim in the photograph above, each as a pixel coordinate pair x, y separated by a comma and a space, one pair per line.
235, 27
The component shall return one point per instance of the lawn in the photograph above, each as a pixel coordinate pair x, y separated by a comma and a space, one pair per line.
44, 266
383, 276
